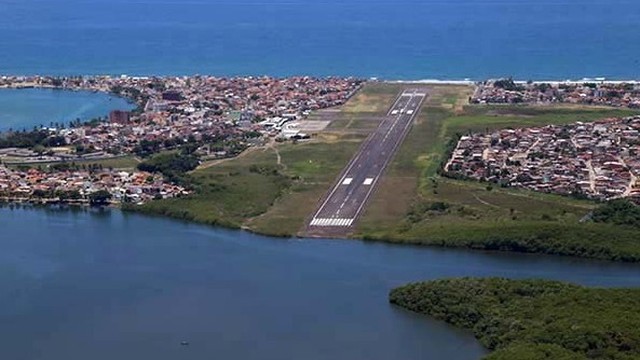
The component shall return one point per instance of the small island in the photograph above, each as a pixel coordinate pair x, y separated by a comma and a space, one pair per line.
533, 319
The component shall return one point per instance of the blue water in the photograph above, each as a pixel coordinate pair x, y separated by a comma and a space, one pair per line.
25, 108
106, 285
408, 39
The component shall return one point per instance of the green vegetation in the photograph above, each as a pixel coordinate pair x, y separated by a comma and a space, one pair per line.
225, 195
120, 162
508, 84
172, 165
480, 118
100, 198
258, 192
479, 215
272, 190
545, 236
30, 139
313, 167
533, 319
619, 212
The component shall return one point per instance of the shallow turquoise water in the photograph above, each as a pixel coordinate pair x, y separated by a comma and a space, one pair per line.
25, 108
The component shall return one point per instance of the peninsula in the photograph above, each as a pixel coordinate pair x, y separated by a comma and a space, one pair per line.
498, 165
533, 319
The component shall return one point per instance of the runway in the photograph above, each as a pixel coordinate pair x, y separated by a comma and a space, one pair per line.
347, 198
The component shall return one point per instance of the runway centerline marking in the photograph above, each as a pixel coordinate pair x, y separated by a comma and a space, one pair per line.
351, 191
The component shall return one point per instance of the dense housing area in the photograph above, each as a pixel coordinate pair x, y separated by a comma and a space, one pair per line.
201, 117
598, 160
272, 187
588, 92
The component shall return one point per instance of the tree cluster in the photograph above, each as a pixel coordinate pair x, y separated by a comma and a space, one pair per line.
508, 84
30, 139
533, 319
619, 212
173, 166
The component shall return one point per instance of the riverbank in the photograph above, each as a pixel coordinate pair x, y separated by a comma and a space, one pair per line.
273, 191
149, 283
533, 319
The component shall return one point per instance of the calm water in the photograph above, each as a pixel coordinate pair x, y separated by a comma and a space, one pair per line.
107, 285
25, 108
389, 39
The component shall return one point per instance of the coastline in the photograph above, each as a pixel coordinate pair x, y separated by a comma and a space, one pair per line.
521, 242
426, 81
531, 319
509, 245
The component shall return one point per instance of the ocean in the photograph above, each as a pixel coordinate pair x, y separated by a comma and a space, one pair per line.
109, 285
402, 39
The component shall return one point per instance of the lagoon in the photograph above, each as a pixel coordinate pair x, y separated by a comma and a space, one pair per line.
26, 108
106, 284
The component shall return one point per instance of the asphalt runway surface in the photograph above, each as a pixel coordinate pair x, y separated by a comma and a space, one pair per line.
348, 197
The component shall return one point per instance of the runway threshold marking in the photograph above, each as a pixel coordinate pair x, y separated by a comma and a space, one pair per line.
386, 162
336, 222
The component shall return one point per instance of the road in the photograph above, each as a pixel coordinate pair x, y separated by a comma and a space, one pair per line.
347, 198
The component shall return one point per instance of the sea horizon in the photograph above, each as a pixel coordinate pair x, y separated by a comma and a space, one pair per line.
401, 40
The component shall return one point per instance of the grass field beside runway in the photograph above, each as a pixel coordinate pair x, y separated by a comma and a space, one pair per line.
414, 204
258, 193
